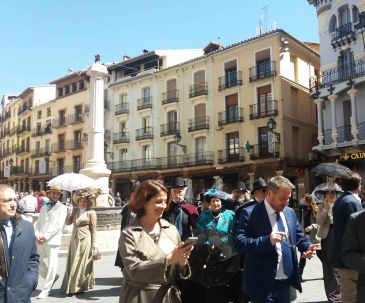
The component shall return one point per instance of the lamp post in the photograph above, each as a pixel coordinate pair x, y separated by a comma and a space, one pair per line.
177, 139
271, 124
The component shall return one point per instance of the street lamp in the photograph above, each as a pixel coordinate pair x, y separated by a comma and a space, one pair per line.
271, 124
177, 139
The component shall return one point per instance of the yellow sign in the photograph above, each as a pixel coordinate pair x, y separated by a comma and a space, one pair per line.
353, 156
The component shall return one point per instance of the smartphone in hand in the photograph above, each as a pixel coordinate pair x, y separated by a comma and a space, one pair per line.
189, 241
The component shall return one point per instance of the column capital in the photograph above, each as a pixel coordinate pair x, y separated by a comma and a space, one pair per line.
352, 92
318, 101
332, 98
97, 70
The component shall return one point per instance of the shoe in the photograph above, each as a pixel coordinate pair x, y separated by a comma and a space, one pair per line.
43, 294
55, 279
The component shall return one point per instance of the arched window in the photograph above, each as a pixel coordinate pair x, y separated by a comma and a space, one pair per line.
355, 14
333, 24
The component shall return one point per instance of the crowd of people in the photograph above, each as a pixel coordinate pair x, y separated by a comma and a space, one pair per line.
237, 247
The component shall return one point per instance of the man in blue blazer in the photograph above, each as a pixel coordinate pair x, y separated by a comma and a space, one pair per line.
348, 203
19, 259
268, 234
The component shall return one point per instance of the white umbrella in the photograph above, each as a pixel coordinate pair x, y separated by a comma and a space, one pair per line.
73, 181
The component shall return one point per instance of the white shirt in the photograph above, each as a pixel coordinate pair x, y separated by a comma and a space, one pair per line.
29, 203
272, 216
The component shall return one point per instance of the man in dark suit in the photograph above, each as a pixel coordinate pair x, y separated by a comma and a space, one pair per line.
268, 234
353, 251
348, 203
19, 260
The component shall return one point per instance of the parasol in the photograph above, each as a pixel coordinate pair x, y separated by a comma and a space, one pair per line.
73, 181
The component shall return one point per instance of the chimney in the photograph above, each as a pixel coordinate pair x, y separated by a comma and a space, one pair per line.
125, 58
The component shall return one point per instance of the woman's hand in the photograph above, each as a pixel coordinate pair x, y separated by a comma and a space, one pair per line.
180, 254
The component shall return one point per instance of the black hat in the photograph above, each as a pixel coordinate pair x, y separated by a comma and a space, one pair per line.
240, 186
258, 184
176, 182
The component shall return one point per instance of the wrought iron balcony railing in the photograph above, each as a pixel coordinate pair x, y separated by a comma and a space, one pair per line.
40, 152
263, 109
343, 35
198, 123
75, 118
169, 129
122, 137
22, 129
73, 144
232, 79
144, 133
143, 103
59, 123
59, 147
336, 75
344, 133
170, 96
233, 115
231, 155
263, 70
200, 89
122, 108
262, 151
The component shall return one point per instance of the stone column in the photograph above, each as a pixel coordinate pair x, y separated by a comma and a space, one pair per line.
95, 166
252, 179
333, 98
320, 121
354, 129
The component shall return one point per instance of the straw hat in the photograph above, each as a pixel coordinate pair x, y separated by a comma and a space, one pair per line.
56, 189
89, 193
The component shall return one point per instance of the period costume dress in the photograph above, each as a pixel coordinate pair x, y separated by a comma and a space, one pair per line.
79, 274
147, 277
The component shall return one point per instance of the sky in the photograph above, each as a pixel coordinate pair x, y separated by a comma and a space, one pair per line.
41, 39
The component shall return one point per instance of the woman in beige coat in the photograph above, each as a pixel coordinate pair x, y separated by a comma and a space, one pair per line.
150, 248
79, 274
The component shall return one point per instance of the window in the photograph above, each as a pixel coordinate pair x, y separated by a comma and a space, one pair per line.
81, 85
146, 122
146, 155
39, 114
200, 147
49, 112
122, 98
344, 16
333, 24
67, 89
61, 142
36, 164
172, 121
37, 147
171, 154
47, 146
345, 65
39, 128
60, 92
74, 87
60, 166
76, 164
62, 117
233, 146
232, 108
78, 113
123, 154
264, 97
146, 93
77, 138
230, 70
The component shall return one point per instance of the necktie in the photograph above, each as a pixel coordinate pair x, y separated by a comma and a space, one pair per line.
3, 249
285, 249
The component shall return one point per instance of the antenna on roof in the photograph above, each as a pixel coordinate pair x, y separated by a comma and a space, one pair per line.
262, 26
219, 40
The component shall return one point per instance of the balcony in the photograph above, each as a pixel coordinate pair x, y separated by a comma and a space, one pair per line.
22, 150
261, 151
144, 133
263, 70
49, 171
170, 97
231, 155
122, 108
59, 123
41, 152
73, 144
23, 129
39, 131
264, 109
144, 103
232, 79
343, 35
24, 109
170, 162
11, 131
361, 134
200, 89
75, 118
17, 170
336, 75
231, 116
59, 147
122, 137
198, 123
169, 129
344, 134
